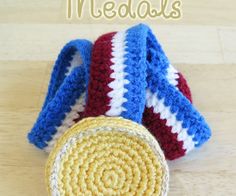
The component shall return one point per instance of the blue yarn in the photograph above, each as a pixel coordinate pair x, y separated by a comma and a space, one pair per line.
62, 92
142, 48
147, 68
136, 69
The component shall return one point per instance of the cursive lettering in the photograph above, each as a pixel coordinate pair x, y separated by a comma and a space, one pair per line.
168, 9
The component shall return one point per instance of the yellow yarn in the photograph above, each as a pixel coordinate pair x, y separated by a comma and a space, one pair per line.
106, 156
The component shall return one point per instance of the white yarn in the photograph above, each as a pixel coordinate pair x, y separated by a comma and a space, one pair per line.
56, 167
172, 75
67, 122
75, 62
119, 82
171, 120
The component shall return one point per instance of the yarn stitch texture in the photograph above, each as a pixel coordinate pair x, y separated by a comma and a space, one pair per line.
65, 98
132, 77
107, 156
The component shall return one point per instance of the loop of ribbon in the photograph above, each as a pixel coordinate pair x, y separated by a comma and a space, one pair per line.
64, 101
127, 75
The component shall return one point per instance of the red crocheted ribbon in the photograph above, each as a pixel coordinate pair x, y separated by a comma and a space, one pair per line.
100, 72
98, 101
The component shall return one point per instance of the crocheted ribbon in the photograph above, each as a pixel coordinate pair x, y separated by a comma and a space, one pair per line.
168, 113
132, 77
65, 98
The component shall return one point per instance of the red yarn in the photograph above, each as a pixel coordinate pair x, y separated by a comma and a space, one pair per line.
183, 87
168, 141
98, 101
172, 148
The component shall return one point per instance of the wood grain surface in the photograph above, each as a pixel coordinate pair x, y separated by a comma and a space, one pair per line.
202, 45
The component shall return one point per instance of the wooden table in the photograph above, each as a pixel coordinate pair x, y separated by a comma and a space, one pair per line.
202, 45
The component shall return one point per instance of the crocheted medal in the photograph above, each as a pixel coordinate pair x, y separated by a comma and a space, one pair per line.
96, 156
129, 82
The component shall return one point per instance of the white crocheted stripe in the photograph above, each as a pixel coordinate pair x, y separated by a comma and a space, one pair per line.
56, 167
119, 82
67, 122
144, 135
171, 120
75, 62
172, 75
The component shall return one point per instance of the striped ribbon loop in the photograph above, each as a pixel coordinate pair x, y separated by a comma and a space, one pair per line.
64, 101
130, 76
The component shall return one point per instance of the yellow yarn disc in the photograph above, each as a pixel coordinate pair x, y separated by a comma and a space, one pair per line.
107, 156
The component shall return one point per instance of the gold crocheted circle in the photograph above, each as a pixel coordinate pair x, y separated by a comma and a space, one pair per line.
107, 156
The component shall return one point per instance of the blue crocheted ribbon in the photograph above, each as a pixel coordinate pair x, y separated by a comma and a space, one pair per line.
64, 89
141, 48
146, 67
